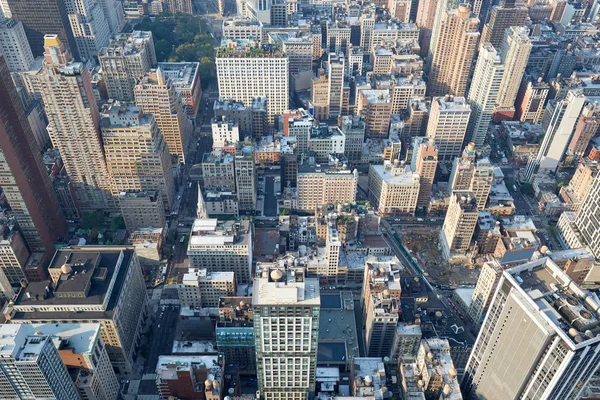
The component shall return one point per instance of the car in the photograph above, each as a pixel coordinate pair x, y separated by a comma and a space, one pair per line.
158, 326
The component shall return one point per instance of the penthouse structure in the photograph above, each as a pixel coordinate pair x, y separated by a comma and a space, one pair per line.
99, 283
220, 246
394, 188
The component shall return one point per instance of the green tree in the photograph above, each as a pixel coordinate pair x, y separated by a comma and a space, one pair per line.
93, 219
117, 223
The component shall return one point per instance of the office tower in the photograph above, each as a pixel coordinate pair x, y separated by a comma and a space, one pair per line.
5, 9
319, 96
400, 9
582, 180
503, 17
245, 178
424, 163
382, 274
218, 171
586, 128
426, 13
354, 130
558, 10
126, 59
186, 80
183, 376
200, 288
559, 121
299, 48
515, 51
234, 333
73, 126
155, 94
531, 98
89, 26
243, 74
394, 188
404, 90
136, 153
375, 105
381, 323
335, 79
300, 126
114, 14
286, 308
224, 133
177, 6
556, 351
338, 37
327, 183
416, 124
473, 175
222, 246
587, 218
454, 54
24, 179
483, 94
46, 17
14, 46
447, 125
251, 119
143, 209
488, 279
459, 224
111, 291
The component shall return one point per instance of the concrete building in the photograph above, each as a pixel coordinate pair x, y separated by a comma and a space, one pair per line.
394, 188
14, 46
325, 140
335, 80
142, 210
488, 279
554, 357
218, 171
454, 53
124, 61
73, 125
531, 98
559, 122
381, 273
111, 292
404, 90
177, 6
459, 224
503, 17
136, 154
353, 128
514, 52
194, 377
243, 29
245, 178
224, 133
89, 26
320, 184
221, 246
200, 288
14, 254
155, 94
286, 305
447, 126
586, 128
471, 174
235, 333
185, 78
380, 325
244, 73
587, 218
251, 120
424, 163
375, 105
483, 94
299, 125
23, 177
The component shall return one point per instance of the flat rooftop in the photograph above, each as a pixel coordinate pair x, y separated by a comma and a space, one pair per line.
211, 231
396, 175
337, 329
288, 289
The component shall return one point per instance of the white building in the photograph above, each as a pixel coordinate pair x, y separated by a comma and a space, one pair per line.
394, 188
515, 51
325, 140
14, 46
587, 221
89, 25
224, 133
484, 290
447, 126
459, 224
200, 288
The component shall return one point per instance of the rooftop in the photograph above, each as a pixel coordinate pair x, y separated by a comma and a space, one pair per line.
395, 175
337, 329
211, 231
182, 74
281, 287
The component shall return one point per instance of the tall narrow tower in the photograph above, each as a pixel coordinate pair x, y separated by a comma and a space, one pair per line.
515, 51
502, 18
424, 163
73, 124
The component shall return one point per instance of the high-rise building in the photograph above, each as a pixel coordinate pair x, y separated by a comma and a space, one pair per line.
114, 14
89, 26
183, 376
426, 13
251, 119
559, 121
23, 177
459, 224
299, 125
144, 209
447, 126
74, 119
394, 188
556, 352
177, 6
46, 17
243, 74
502, 17
531, 99
156, 95
185, 77
245, 178
234, 333
488, 279
286, 308
126, 59
474, 175
49, 359
587, 218
14, 254
586, 128
367, 25
424, 163
137, 155
375, 105
382, 273
483, 94
200, 288
454, 53
515, 51
100, 283
221, 246
404, 90
335, 79
354, 130
14, 46
381, 323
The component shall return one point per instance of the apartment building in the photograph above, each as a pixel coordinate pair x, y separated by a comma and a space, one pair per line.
14, 46
424, 163
375, 105
245, 177
200, 288
143, 209
459, 224
218, 171
185, 78
447, 126
394, 188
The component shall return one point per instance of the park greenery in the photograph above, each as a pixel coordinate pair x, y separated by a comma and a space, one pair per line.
182, 38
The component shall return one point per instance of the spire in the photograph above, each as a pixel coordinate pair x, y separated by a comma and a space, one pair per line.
201, 208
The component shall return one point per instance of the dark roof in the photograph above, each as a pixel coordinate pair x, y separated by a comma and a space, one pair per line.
518, 256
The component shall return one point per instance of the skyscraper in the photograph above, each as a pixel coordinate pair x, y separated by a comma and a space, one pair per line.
538, 339
454, 53
156, 95
23, 176
531, 98
335, 79
447, 126
459, 224
14, 45
425, 18
503, 17
245, 178
559, 122
474, 175
424, 163
286, 308
89, 26
586, 128
44, 17
587, 221
483, 93
515, 51
74, 119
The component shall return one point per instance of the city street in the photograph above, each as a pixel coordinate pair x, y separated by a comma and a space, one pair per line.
163, 334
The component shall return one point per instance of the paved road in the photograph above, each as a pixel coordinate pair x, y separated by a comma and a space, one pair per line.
270, 209
163, 336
